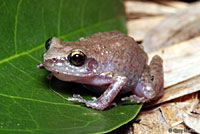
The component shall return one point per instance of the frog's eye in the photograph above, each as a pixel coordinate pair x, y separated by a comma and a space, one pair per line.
77, 58
48, 44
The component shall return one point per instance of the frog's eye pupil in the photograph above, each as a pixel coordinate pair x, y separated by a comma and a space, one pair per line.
48, 44
77, 58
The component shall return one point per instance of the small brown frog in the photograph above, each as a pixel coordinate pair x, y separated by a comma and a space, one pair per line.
111, 61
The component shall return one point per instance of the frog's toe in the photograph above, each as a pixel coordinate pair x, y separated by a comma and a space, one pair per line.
113, 104
94, 98
134, 98
76, 98
39, 66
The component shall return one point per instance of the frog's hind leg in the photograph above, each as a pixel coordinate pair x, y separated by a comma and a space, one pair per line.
150, 85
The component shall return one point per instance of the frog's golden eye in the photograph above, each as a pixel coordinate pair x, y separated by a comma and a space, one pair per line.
48, 44
77, 58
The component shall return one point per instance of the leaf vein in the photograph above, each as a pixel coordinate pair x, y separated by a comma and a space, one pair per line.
18, 130
82, 13
22, 71
30, 115
33, 58
16, 23
43, 24
59, 16
35, 100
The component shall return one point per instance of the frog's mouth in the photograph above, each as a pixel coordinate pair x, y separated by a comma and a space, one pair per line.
61, 66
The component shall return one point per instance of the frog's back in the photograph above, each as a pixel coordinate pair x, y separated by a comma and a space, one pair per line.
116, 52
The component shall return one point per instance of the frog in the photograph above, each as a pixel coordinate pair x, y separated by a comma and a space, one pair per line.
109, 63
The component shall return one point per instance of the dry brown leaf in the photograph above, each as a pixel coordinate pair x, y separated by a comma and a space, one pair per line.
168, 118
173, 112
178, 27
139, 27
173, 3
192, 121
179, 90
181, 64
151, 123
181, 69
169, 113
186, 81
181, 61
148, 7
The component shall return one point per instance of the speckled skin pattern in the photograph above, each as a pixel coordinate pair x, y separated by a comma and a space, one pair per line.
114, 62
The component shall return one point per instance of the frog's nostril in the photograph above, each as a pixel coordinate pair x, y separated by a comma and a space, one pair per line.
48, 43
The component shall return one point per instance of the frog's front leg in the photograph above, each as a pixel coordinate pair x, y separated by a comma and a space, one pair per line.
116, 84
150, 85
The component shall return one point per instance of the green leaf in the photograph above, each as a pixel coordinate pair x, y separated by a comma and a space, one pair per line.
27, 104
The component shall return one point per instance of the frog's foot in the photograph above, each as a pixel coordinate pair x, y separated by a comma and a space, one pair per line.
94, 103
78, 98
134, 98
39, 66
